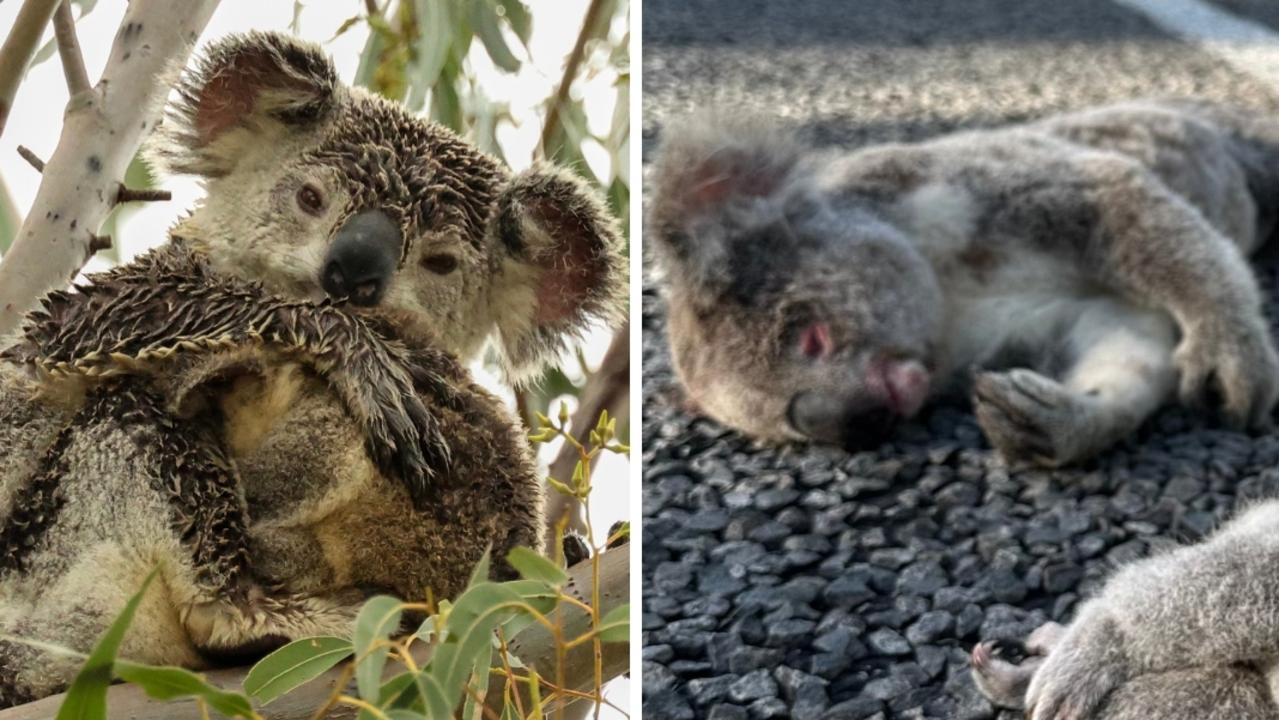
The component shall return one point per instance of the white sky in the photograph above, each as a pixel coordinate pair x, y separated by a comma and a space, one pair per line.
36, 121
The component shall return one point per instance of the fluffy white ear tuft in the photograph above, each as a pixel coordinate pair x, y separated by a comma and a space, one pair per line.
243, 87
563, 266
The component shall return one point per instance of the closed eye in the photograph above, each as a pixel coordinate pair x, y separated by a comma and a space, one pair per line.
441, 264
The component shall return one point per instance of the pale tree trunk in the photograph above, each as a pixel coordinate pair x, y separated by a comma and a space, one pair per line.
104, 126
534, 646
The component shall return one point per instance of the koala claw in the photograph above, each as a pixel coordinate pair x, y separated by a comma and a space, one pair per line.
1238, 362
1029, 417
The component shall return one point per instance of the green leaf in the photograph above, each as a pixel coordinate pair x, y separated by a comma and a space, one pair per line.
471, 624
481, 571
379, 617
294, 664
87, 697
616, 625
484, 21
519, 18
347, 24
532, 566
434, 41
396, 692
46, 50
167, 683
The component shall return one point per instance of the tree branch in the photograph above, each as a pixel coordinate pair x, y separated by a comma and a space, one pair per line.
575, 59
608, 388
534, 646
104, 127
69, 50
19, 48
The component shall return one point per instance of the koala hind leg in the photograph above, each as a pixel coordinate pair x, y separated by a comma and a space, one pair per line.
1121, 371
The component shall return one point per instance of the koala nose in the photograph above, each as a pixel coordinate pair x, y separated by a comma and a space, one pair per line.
362, 258
836, 420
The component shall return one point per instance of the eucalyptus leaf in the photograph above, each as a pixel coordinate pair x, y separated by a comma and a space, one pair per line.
519, 18
532, 566
480, 573
378, 619
294, 665
432, 46
616, 625
87, 697
167, 683
484, 21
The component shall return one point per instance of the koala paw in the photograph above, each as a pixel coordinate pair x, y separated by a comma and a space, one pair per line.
1002, 669
1030, 418
1080, 672
1238, 361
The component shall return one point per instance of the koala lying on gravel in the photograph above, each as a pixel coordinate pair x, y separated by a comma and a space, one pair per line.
1188, 634
267, 408
1091, 266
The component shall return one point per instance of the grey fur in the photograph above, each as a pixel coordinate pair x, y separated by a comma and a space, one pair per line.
1091, 266
1187, 634
207, 410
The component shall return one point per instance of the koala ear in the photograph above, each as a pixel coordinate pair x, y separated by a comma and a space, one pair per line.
708, 165
244, 87
562, 267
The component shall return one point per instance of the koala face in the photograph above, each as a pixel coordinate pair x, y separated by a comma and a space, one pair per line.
318, 190
791, 317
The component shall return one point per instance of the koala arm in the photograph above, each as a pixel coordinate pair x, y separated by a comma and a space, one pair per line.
134, 318
1154, 246
1207, 605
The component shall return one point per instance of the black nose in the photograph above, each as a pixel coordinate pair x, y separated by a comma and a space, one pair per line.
837, 420
362, 258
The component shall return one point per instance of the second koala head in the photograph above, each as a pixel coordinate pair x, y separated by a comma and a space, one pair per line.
794, 313
317, 189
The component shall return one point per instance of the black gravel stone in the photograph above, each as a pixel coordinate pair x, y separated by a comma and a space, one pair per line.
752, 686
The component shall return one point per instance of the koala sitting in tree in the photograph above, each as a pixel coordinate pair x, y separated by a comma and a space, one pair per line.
1187, 634
1090, 266
267, 407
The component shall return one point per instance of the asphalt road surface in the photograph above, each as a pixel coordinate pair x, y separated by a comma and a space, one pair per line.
811, 583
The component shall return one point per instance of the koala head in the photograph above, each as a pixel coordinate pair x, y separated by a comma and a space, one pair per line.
320, 190
794, 314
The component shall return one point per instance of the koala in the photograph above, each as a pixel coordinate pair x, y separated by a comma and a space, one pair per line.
268, 407
1070, 275
1187, 634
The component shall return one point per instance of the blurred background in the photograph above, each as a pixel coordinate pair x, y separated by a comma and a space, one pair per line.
523, 79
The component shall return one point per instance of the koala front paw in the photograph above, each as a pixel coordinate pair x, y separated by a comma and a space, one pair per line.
1030, 418
1002, 669
1238, 360
1079, 673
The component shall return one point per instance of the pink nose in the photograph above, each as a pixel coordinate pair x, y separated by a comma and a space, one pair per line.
904, 385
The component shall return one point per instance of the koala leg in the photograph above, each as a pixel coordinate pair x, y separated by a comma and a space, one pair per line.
1122, 371
232, 630
1210, 605
1208, 693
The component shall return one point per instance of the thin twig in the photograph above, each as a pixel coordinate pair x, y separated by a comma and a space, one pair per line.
69, 50
127, 194
98, 243
575, 59
18, 49
33, 159
608, 388
371, 6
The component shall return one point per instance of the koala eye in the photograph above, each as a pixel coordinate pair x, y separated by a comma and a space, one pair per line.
442, 264
310, 199
815, 341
